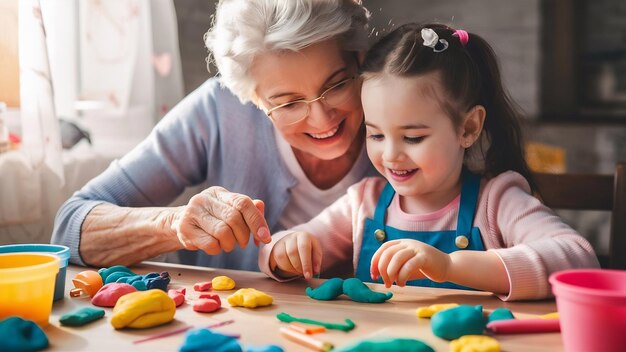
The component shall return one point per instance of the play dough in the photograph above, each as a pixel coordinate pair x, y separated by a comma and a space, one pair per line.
427, 312
213, 296
202, 286
81, 316
384, 345
206, 305
17, 334
223, 283
249, 298
359, 292
203, 340
88, 282
501, 314
459, 321
108, 295
143, 309
106, 272
475, 343
178, 295
327, 291
286, 318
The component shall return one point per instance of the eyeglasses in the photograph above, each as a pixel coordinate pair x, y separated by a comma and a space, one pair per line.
296, 111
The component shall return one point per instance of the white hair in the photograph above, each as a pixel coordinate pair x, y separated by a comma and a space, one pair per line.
243, 29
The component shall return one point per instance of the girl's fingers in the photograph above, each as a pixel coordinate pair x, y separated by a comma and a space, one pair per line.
374, 272
397, 263
293, 254
411, 270
317, 256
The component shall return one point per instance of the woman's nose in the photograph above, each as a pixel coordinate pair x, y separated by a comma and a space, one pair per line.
319, 113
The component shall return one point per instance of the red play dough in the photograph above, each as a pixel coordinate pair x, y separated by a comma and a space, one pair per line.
213, 296
108, 295
178, 295
203, 286
206, 305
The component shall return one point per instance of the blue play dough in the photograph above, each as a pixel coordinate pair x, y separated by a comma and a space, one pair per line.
501, 314
267, 348
359, 292
459, 321
204, 340
328, 290
17, 334
81, 316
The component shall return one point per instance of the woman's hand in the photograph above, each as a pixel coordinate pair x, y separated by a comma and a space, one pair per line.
298, 253
216, 220
402, 260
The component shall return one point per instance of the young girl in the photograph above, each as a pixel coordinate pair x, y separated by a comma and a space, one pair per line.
456, 208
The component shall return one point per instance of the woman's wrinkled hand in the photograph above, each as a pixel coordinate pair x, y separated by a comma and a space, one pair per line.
296, 254
217, 220
402, 260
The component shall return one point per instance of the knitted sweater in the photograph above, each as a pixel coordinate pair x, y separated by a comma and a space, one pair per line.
530, 239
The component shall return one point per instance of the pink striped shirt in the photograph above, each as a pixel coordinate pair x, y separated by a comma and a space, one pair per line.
530, 239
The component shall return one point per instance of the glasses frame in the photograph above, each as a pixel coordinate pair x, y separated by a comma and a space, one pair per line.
307, 102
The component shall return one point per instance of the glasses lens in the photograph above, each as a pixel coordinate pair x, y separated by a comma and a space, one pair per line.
290, 113
340, 93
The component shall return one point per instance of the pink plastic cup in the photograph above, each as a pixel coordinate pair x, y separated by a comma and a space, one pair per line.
592, 308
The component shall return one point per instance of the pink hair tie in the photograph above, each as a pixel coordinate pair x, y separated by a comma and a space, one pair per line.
463, 36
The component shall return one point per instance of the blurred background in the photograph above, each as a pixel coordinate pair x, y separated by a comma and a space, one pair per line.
115, 67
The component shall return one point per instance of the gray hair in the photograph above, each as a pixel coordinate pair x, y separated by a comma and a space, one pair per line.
243, 29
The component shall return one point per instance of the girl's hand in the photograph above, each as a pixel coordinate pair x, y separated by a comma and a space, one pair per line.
216, 220
296, 254
402, 260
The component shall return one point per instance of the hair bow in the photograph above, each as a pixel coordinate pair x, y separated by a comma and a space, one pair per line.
431, 40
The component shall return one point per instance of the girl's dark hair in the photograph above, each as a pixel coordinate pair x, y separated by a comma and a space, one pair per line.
469, 77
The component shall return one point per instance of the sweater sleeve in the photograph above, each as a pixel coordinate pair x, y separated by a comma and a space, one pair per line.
334, 228
530, 239
175, 155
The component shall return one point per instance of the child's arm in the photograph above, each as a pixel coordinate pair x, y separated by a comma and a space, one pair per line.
403, 260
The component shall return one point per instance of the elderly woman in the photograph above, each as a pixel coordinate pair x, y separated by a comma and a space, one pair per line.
278, 136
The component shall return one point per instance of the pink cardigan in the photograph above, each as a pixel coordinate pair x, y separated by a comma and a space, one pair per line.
530, 239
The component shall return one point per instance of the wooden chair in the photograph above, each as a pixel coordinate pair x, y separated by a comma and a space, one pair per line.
592, 192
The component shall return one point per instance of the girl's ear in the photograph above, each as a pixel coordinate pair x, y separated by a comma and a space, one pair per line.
473, 125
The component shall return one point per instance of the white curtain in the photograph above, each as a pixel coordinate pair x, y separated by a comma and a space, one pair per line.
120, 57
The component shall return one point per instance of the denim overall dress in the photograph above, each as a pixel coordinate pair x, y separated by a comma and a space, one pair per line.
465, 237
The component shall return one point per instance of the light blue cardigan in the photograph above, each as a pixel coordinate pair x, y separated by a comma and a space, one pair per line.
210, 138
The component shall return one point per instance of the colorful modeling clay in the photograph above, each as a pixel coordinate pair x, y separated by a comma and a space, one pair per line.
328, 290
359, 292
306, 328
286, 318
475, 343
178, 295
427, 312
553, 315
105, 272
17, 334
202, 286
383, 345
206, 305
249, 298
146, 282
200, 340
87, 282
501, 314
306, 340
455, 322
524, 326
108, 295
213, 296
223, 283
143, 309
81, 316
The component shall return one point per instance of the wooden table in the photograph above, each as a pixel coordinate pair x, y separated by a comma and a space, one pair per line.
395, 318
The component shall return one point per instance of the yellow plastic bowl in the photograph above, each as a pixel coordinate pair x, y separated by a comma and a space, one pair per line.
27, 285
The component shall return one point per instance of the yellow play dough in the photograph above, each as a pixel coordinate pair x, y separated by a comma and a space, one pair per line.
427, 312
143, 309
250, 298
475, 343
554, 315
222, 283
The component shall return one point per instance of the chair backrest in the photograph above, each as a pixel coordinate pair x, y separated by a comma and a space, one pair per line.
592, 192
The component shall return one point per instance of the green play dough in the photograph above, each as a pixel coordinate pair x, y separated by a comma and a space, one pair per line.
17, 334
459, 321
328, 290
359, 292
501, 314
286, 318
81, 316
383, 345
